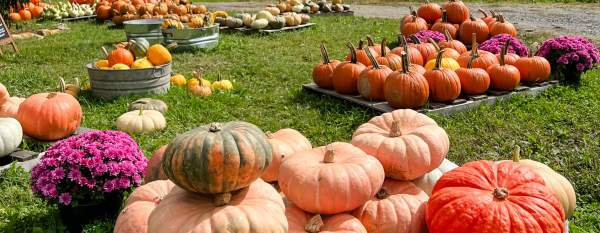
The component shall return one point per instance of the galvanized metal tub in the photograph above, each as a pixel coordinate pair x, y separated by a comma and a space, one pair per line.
153, 38
192, 38
109, 84
149, 29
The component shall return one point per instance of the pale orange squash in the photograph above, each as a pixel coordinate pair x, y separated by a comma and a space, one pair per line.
11, 107
134, 217
302, 222
313, 179
285, 142
407, 143
154, 169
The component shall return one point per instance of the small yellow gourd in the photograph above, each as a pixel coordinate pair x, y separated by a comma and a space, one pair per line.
222, 84
446, 62
198, 76
178, 80
120, 66
141, 63
102, 64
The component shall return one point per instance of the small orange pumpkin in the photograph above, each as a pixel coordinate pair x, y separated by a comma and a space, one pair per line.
533, 68
473, 28
429, 11
473, 81
361, 55
509, 58
322, 72
406, 88
413, 53
444, 84
371, 80
483, 59
413, 26
504, 77
50, 116
502, 27
453, 44
458, 12
378, 48
120, 55
158, 55
391, 60
426, 49
444, 26
345, 75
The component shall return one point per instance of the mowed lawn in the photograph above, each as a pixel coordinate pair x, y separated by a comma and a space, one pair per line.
559, 128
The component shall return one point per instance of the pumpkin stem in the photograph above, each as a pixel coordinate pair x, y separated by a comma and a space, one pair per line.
405, 62
504, 51
472, 18
415, 39
493, 14
411, 10
414, 18
383, 45
141, 110
314, 224
215, 127
396, 129
437, 48
447, 35
444, 16
62, 83
501, 18
405, 47
500, 193
324, 54
382, 193
372, 59
104, 51
516, 154
470, 62
370, 41
221, 199
329, 155
438, 59
485, 15
52, 95
77, 82
352, 52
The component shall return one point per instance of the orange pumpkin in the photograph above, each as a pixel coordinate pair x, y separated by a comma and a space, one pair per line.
452, 44
4, 95
378, 48
473, 28
134, 217
458, 12
361, 54
448, 52
285, 142
322, 72
413, 53
406, 88
11, 107
533, 68
473, 81
25, 14
515, 195
429, 11
50, 116
483, 59
311, 179
391, 60
345, 75
407, 143
502, 27
487, 19
413, 26
14, 17
36, 11
103, 12
371, 80
426, 49
504, 77
158, 55
302, 222
509, 58
154, 169
444, 84
409, 18
398, 207
258, 208
444, 26
120, 55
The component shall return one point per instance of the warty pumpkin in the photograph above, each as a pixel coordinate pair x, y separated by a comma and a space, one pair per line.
149, 104
427, 181
322, 72
386, 58
300, 221
473, 28
407, 143
504, 77
218, 158
371, 80
398, 207
258, 208
453, 44
154, 169
458, 12
533, 68
406, 88
49, 116
444, 84
345, 75
361, 54
429, 11
11, 107
413, 53
513, 194
158, 55
285, 143
141, 121
311, 179
444, 26
134, 217
11, 135
473, 81
502, 27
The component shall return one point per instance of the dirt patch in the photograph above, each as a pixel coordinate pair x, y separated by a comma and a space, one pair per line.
555, 19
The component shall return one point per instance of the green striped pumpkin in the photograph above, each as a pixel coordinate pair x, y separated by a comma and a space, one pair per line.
139, 47
218, 157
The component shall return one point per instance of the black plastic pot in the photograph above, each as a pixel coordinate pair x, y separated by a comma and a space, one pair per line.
74, 218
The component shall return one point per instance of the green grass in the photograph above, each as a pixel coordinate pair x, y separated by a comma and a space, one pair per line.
559, 128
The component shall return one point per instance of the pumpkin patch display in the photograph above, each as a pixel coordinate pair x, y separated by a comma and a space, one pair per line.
345, 75
49, 116
11, 135
313, 179
154, 169
285, 143
506, 190
406, 88
134, 217
391, 138
504, 77
141, 121
444, 84
371, 80
322, 72
300, 221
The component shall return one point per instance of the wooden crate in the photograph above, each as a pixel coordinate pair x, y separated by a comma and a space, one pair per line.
265, 31
461, 104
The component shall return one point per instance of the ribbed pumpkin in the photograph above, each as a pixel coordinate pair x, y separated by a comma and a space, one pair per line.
361, 54
406, 88
134, 217
473, 81
426, 49
429, 11
50, 116
502, 27
218, 158
482, 59
285, 142
447, 53
509, 58
414, 55
311, 179
413, 25
458, 12
371, 80
120, 55
444, 84
473, 28
533, 68
504, 77
427, 181
154, 170
138, 46
514, 195
443, 26
302, 222
378, 48
322, 72
452, 44
407, 143
386, 58
258, 208
345, 75
398, 207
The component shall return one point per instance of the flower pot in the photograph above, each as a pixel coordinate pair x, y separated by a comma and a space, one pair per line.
74, 218
566, 74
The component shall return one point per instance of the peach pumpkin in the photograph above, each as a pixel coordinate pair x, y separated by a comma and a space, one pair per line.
311, 179
154, 169
407, 143
300, 221
50, 116
134, 217
285, 142
11, 107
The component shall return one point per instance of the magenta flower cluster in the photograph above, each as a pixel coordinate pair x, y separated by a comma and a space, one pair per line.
87, 166
572, 51
426, 34
494, 45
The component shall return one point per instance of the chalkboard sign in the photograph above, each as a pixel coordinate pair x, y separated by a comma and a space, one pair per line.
5, 37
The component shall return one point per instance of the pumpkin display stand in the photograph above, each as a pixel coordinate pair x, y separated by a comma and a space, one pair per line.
76, 217
192, 38
461, 104
109, 84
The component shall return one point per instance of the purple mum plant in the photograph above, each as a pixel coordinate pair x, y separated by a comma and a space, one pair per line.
494, 45
570, 52
424, 35
88, 166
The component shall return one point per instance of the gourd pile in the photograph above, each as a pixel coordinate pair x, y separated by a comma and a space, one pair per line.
264, 19
135, 54
123, 10
199, 86
26, 11
392, 178
68, 10
307, 6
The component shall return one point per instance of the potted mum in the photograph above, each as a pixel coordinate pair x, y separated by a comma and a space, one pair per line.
87, 174
494, 45
569, 56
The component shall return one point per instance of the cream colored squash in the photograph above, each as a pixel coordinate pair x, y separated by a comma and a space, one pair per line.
142, 121
11, 135
427, 181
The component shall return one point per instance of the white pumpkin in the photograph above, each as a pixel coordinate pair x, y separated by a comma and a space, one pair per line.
264, 15
11, 135
427, 181
260, 24
142, 121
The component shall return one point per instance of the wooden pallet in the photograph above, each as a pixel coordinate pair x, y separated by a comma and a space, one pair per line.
265, 31
463, 103
343, 13
35, 141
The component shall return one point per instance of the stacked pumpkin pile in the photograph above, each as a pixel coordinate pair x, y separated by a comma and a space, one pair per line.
307, 7
265, 19
124, 10
27, 11
123, 56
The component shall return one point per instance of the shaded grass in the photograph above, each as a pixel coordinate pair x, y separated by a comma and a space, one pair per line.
558, 128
